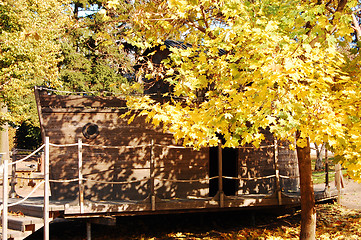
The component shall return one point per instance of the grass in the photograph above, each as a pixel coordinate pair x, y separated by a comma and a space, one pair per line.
319, 175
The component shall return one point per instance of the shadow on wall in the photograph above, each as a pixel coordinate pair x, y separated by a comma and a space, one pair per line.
260, 163
129, 157
130, 161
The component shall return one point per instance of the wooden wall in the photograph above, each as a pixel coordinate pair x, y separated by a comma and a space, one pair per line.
256, 163
63, 118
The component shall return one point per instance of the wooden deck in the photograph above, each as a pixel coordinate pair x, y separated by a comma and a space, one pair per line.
26, 217
71, 208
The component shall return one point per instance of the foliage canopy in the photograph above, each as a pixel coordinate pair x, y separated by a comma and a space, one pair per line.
285, 65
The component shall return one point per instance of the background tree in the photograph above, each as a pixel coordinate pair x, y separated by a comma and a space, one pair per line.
59, 44
281, 69
29, 52
94, 55
319, 157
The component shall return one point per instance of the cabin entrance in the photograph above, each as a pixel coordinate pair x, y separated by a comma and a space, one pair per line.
229, 169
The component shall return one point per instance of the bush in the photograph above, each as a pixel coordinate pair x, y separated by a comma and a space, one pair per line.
28, 136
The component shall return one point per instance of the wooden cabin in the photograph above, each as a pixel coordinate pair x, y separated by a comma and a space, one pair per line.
138, 167
134, 161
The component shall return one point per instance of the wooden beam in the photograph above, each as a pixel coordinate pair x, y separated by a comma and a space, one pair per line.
38, 107
277, 184
80, 175
326, 166
5, 199
46, 190
220, 176
88, 230
76, 101
152, 175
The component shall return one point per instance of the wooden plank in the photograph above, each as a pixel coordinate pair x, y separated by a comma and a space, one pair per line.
15, 235
40, 114
181, 190
20, 222
104, 191
47, 110
68, 172
261, 186
80, 175
76, 101
187, 204
34, 211
108, 208
277, 172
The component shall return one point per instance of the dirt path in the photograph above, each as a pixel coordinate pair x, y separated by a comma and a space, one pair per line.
351, 197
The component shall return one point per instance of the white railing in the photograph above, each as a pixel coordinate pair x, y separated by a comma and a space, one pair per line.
81, 179
5, 203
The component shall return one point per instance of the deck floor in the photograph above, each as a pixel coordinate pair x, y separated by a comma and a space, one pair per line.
125, 207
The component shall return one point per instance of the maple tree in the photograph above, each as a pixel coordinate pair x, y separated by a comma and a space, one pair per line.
283, 66
291, 67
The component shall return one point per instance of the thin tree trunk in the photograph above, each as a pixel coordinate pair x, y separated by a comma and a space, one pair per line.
319, 151
4, 135
308, 211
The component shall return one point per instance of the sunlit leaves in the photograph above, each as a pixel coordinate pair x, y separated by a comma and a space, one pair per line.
254, 65
333, 222
29, 51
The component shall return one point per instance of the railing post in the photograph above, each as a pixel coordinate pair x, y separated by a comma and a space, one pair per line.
12, 193
46, 189
80, 174
5, 199
338, 180
220, 176
326, 168
278, 184
88, 230
152, 175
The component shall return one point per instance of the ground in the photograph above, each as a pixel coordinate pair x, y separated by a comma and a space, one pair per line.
335, 221
351, 195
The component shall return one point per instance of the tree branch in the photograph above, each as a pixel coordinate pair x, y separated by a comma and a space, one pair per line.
356, 27
341, 5
202, 29
204, 17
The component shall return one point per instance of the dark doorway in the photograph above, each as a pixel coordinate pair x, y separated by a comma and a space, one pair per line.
229, 169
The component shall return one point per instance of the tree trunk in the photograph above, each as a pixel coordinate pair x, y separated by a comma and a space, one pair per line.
319, 151
308, 211
4, 135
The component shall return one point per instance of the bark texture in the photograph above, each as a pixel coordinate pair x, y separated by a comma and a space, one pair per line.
308, 211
